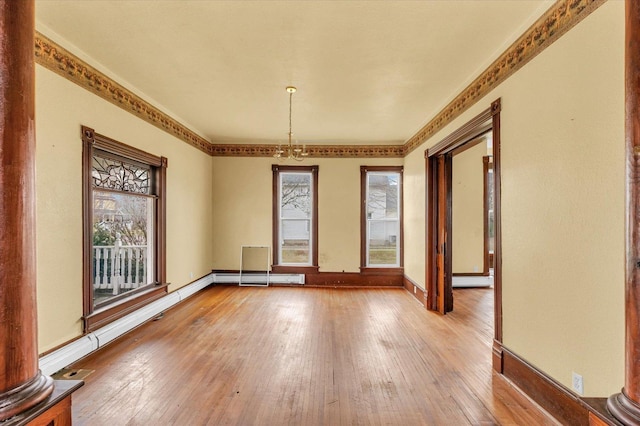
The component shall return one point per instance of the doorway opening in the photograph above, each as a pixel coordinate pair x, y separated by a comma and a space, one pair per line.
439, 256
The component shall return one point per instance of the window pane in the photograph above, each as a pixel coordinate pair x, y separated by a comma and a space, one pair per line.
122, 243
382, 196
296, 201
383, 242
383, 218
296, 238
295, 195
119, 175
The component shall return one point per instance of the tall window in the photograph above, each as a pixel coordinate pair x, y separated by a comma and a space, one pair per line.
381, 220
295, 213
124, 217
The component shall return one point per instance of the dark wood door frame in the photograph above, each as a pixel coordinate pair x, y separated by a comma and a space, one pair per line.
436, 207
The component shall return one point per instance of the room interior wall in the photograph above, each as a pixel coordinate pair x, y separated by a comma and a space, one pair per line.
562, 146
562, 191
414, 217
242, 191
61, 108
467, 210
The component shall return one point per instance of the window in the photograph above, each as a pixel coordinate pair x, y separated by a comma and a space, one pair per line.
381, 217
124, 228
295, 218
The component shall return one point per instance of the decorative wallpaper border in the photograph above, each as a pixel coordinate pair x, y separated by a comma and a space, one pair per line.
559, 19
315, 151
555, 22
59, 60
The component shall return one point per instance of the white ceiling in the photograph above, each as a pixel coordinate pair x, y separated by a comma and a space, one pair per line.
367, 72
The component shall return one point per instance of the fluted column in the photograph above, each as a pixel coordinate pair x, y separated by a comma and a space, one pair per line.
625, 406
21, 384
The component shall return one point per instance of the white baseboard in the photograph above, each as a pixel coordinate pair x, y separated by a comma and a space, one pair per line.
82, 347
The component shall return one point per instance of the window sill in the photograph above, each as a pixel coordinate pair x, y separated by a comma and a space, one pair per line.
108, 314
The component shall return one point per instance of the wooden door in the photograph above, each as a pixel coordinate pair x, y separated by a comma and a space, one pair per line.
441, 289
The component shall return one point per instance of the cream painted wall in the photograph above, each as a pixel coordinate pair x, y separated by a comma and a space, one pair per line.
61, 108
563, 204
467, 210
414, 217
242, 191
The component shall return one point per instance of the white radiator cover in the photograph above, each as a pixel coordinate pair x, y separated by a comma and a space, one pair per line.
82, 347
234, 278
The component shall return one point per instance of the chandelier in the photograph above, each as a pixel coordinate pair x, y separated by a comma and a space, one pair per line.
291, 151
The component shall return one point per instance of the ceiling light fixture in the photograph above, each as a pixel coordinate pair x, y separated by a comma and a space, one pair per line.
291, 151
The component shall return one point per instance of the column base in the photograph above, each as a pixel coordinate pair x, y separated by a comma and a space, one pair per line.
624, 409
25, 396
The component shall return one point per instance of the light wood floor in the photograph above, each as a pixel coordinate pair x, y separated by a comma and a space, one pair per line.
304, 356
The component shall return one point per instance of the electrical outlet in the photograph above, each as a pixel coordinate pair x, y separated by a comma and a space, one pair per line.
415, 290
577, 383
191, 275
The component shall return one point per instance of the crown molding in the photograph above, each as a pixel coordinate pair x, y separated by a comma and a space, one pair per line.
314, 151
559, 19
54, 57
555, 22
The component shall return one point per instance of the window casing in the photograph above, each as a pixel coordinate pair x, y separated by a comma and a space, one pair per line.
381, 226
124, 205
295, 219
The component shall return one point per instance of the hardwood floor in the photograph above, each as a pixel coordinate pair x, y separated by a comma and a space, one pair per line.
304, 356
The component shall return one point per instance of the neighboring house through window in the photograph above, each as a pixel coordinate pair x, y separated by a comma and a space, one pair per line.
124, 228
295, 218
381, 217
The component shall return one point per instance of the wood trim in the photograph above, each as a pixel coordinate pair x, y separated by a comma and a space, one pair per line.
555, 22
431, 230
474, 141
625, 406
497, 357
434, 158
87, 221
62, 62
22, 385
353, 279
104, 316
382, 271
161, 222
486, 166
280, 269
113, 146
54, 411
91, 140
556, 399
275, 223
314, 278
414, 289
448, 258
559, 19
496, 108
598, 413
456, 142
363, 213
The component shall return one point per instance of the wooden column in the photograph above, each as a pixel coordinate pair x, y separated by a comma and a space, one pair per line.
22, 385
625, 406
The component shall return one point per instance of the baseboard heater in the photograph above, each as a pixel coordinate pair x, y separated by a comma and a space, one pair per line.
88, 343
472, 281
254, 278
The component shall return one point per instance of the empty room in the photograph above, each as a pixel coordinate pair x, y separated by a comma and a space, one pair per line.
319, 212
